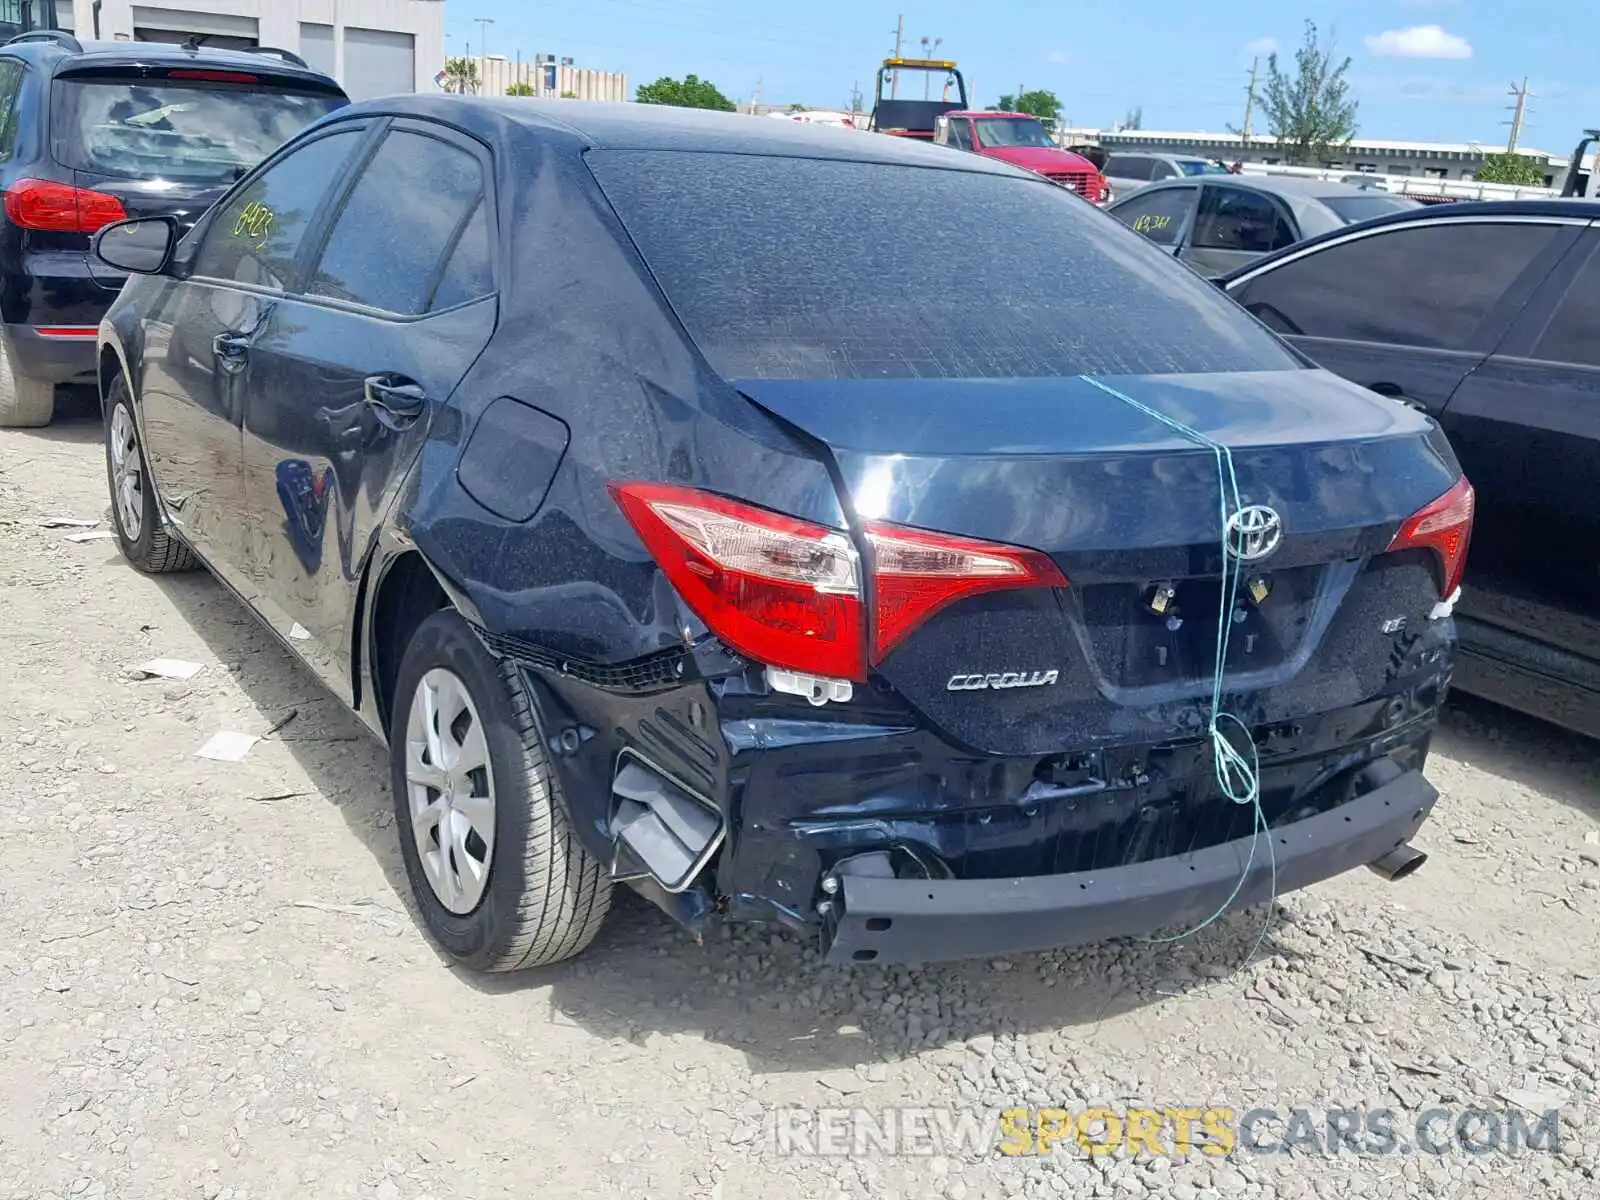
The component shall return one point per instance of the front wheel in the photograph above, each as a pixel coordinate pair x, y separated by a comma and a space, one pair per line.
500, 878
145, 542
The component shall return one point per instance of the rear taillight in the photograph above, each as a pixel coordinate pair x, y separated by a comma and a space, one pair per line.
789, 593
1445, 527
915, 574
60, 207
781, 591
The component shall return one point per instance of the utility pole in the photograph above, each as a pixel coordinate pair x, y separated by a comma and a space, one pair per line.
1249, 99
1517, 113
755, 97
899, 37
483, 24
930, 47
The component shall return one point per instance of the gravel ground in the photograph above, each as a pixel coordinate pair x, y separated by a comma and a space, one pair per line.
212, 984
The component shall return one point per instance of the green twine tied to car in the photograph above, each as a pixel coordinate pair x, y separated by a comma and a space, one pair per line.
1237, 775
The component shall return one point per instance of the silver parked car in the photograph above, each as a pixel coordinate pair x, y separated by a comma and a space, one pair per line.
1217, 223
1128, 172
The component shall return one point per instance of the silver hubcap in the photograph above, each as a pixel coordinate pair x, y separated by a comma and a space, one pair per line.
450, 790
127, 474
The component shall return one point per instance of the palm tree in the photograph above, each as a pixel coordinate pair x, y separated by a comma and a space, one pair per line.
460, 75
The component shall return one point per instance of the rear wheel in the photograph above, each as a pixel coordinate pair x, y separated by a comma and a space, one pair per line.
145, 542
24, 403
500, 878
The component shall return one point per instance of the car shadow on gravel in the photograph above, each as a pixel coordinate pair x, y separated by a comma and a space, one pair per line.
1523, 750
762, 992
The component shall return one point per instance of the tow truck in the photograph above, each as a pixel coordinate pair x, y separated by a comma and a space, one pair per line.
914, 118
1580, 182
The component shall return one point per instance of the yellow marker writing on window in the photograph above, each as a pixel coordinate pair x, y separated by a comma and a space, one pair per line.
255, 221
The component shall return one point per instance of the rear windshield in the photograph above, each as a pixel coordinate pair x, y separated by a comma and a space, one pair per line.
149, 129
784, 268
1351, 209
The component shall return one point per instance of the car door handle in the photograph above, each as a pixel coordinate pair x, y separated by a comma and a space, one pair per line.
231, 345
394, 399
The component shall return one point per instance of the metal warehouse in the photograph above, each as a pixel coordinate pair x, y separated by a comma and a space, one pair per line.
373, 47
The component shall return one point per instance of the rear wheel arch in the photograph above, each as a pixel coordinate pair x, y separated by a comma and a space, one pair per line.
407, 592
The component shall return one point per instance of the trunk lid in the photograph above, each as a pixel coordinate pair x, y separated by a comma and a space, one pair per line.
1125, 506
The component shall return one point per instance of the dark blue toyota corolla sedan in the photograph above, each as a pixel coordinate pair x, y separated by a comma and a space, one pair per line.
792, 524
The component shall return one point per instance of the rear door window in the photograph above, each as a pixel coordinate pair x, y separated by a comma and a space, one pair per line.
1240, 219
1429, 286
418, 201
185, 130
1573, 332
1158, 214
254, 237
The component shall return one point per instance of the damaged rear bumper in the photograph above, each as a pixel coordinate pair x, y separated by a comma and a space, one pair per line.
888, 920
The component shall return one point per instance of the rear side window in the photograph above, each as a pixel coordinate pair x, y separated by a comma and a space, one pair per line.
1159, 215
418, 199
1427, 286
1240, 219
911, 272
170, 129
255, 236
1128, 166
1573, 334
11, 73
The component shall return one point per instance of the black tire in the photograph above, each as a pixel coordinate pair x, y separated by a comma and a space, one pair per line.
24, 403
545, 897
155, 551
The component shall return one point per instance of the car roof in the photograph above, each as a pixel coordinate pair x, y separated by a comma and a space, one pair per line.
605, 125
67, 53
1434, 214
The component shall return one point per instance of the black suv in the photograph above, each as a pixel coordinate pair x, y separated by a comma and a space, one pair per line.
96, 132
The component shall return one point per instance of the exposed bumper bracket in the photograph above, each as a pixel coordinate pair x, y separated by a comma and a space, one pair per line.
906, 920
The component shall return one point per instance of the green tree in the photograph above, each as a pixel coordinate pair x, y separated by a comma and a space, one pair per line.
1038, 102
569, 95
1511, 168
1135, 118
689, 92
521, 88
460, 75
1309, 110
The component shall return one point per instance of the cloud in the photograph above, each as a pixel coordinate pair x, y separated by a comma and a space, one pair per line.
1261, 46
1420, 41
1058, 57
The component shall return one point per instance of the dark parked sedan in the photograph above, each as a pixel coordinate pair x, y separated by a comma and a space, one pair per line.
678, 531
1486, 317
1217, 223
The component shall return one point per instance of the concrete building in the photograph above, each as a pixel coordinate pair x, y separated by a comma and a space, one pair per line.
1427, 160
550, 77
372, 47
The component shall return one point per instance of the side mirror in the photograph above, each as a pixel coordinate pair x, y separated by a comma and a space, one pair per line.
141, 247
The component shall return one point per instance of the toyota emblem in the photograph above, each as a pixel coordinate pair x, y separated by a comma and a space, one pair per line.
1254, 532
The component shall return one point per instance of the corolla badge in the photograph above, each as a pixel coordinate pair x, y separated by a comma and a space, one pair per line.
1007, 679
1254, 532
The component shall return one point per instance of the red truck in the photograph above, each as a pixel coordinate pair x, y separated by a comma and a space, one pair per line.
1021, 140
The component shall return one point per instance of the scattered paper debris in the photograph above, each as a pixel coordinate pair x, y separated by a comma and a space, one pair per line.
67, 523
227, 746
93, 535
299, 632
170, 668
